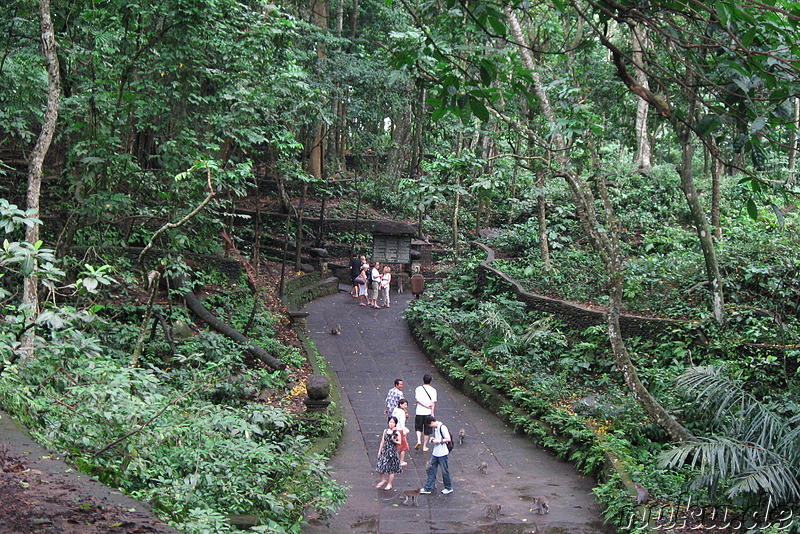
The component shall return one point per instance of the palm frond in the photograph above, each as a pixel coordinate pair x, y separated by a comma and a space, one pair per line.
538, 329
714, 389
739, 412
779, 480
744, 466
496, 322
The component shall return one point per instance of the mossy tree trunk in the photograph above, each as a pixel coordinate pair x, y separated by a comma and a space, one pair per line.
30, 298
605, 240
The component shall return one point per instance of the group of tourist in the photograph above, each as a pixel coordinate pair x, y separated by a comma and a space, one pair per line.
394, 438
370, 282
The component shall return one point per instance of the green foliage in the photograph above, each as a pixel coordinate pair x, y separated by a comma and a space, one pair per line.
179, 437
619, 507
569, 380
752, 447
179, 431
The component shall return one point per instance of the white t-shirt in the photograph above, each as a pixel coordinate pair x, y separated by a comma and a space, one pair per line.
427, 396
440, 449
401, 419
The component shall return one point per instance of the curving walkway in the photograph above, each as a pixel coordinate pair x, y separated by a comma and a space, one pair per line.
375, 348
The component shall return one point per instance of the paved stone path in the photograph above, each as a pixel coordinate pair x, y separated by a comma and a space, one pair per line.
375, 348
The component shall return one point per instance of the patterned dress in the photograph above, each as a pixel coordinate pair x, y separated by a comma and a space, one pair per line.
389, 459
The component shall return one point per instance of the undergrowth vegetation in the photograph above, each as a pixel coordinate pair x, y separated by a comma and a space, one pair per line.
568, 379
182, 430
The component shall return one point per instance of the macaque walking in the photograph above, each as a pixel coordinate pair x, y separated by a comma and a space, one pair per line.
540, 505
410, 495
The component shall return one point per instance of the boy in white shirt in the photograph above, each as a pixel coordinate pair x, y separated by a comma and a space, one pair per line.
441, 435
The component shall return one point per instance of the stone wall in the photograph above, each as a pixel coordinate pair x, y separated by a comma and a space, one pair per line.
574, 315
231, 268
306, 287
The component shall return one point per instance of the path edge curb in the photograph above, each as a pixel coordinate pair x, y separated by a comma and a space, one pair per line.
299, 291
535, 429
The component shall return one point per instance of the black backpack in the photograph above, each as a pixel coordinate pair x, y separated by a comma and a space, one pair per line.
450, 444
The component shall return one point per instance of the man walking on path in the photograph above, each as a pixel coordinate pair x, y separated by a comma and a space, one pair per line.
425, 396
394, 396
441, 435
375, 284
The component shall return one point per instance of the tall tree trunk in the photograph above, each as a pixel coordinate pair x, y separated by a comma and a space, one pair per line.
285, 204
397, 160
418, 128
700, 222
604, 239
354, 20
316, 152
684, 134
298, 245
793, 143
541, 213
321, 229
716, 194
643, 157
30, 298
456, 207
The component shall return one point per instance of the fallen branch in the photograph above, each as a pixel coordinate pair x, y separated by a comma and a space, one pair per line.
197, 307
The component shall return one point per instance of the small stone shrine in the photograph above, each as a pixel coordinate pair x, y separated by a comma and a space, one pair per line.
391, 242
318, 389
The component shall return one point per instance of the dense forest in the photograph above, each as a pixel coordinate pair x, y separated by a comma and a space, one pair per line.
636, 157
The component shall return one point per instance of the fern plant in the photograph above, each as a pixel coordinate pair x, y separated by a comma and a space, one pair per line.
752, 450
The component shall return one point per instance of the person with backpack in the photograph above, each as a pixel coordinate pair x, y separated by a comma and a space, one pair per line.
442, 445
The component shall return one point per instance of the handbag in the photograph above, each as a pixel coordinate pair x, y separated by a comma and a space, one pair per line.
360, 280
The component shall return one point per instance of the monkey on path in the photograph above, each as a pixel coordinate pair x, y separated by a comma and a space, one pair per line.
410, 494
540, 505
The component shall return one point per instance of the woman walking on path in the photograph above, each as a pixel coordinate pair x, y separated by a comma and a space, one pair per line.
388, 464
401, 413
361, 280
386, 280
